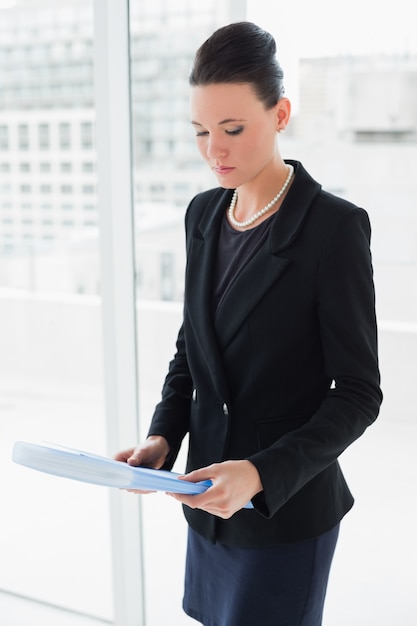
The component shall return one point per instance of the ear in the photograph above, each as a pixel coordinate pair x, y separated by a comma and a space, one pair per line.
283, 114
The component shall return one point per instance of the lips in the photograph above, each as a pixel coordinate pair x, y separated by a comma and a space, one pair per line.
222, 170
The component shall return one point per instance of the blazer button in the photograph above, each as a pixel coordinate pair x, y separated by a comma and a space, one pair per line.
194, 395
225, 409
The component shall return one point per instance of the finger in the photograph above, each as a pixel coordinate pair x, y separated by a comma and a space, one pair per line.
204, 500
122, 456
136, 458
187, 500
204, 473
212, 507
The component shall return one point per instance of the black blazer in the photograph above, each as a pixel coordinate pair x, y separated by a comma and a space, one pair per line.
286, 375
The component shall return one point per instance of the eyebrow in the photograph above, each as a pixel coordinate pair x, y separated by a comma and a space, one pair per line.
226, 121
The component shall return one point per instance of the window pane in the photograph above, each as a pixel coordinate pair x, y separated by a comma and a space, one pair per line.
55, 537
4, 137
23, 135
43, 131
354, 126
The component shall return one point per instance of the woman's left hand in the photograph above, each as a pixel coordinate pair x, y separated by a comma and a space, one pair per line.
234, 485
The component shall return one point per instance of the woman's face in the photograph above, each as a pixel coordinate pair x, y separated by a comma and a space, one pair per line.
235, 134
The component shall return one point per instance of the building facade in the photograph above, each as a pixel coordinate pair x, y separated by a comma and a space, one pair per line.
355, 131
48, 183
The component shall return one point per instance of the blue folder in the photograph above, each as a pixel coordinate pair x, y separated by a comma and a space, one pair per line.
99, 470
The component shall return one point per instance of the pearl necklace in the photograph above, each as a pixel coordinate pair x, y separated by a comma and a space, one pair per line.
259, 214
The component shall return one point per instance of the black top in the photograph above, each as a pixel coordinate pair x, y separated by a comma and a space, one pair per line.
234, 250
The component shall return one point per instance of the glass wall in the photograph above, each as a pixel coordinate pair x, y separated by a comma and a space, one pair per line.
54, 534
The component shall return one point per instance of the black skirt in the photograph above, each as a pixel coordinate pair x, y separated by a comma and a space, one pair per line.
282, 585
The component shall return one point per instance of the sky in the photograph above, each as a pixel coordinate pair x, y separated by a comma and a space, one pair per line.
314, 28
322, 27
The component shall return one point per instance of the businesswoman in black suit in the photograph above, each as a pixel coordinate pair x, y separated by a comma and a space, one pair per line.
276, 368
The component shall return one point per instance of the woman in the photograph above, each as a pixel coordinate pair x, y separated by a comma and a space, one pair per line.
276, 369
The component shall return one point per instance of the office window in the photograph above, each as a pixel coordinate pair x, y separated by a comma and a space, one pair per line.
25, 188
25, 167
4, 167
4, 137
44, 136
45, 167
66, 189
45, 189
23, 136
64, 136
88, 189
87, 166
167, 276
66, 167
86, 135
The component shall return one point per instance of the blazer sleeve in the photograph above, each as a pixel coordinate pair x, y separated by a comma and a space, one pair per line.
347, 322
171, 416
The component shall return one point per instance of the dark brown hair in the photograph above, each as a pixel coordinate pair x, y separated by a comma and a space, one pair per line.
240, 53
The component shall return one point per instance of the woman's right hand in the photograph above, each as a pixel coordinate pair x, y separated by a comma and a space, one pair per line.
151, 453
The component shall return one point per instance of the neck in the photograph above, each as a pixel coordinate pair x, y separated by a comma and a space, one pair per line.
253, 204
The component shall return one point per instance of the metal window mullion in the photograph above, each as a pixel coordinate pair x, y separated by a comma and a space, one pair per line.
113, 136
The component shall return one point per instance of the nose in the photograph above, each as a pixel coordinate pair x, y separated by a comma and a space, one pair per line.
216, 148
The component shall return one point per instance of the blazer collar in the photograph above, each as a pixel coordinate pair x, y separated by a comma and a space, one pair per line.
289, 218
294, 209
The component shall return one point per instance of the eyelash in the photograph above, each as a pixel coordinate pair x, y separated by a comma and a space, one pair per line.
237, 131
232, 133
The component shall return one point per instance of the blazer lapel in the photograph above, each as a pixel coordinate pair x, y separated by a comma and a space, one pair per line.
198, 296
269, 262
255, 279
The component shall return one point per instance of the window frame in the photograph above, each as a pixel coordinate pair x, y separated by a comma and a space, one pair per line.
115, 193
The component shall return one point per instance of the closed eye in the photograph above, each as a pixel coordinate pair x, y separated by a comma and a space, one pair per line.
233, 133
236, 131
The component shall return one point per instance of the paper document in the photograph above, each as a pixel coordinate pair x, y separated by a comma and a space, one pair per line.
98, 470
